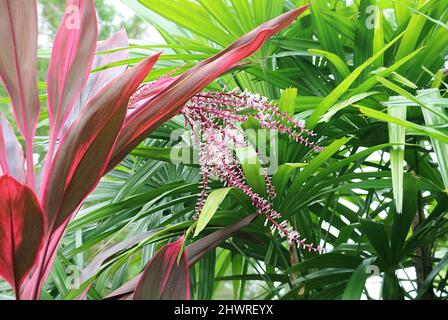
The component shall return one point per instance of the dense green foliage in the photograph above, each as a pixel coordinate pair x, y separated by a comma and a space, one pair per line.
375, 197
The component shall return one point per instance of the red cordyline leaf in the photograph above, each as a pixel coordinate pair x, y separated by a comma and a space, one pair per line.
125, 292
194, 252
98, 80
167, 103
21, 231
18, 67
81, 159
164, 278
32, 286
71, 59
11, 154
84, 151
198, 249
92, 268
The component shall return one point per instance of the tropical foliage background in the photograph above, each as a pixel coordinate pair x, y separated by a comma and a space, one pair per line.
368, 76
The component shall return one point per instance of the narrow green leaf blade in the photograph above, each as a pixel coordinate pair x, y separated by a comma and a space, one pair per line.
212, 204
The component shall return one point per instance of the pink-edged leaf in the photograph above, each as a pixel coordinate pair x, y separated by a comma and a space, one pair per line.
166, 104
21, 230
144, 96
11, 154
71, 59
164, 278
80, 160
198, 249
93, 267
85, 149
18, 68
125, 292
194, 252
32, 286
98, 80
147, 92
18, 61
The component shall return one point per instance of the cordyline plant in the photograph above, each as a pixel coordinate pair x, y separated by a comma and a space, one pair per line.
92, 128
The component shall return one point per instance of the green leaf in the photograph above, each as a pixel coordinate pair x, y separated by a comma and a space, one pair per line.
370, 82
407, 95
212, 204
402, 222
237, 269
283, 175
432, 119
397, 137
339, 64
248, 158
206, 277
328, 260
293, 194
343, 104
344, 86
376, 233
198, 249
391, 289
429, 279
287, 104
431, 132
355, 285
190, 16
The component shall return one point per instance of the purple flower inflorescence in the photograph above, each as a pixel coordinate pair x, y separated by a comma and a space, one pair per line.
216, 118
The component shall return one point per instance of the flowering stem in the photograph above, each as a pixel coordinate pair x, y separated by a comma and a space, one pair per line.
218, 115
